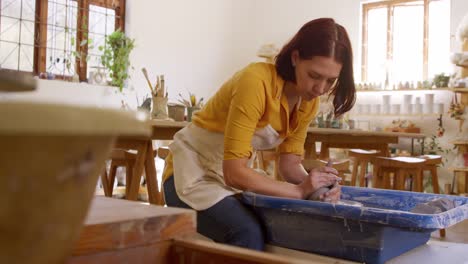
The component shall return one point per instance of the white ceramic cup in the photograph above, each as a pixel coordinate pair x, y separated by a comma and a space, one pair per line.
407, 109
386, 99
359, 109
395, 110
407, 98
429, 99
366, 109
385, 109
417, 109
376, 109
428, 108
439, 108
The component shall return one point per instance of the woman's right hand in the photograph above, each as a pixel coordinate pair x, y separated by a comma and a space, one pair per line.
317, 178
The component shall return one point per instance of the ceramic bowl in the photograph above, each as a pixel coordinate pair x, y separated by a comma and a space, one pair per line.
50, 159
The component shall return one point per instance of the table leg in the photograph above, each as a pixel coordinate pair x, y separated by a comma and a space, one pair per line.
310, 150
384, 150
324, 151
137, 172
105, 182
154, 196
422, 146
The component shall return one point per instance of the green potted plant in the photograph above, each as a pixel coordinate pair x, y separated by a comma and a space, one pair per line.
441, 80
115, 57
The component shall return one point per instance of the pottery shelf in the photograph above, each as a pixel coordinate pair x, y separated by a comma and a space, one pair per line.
400, 115
408, 90
459, 169
459, 142
459, 90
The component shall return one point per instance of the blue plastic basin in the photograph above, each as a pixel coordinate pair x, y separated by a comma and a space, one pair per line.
382, 229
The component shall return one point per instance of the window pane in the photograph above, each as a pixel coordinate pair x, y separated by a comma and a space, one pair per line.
110, 24
376, 44
61, 36
439, 38
97, 40
101, 24
97, 19
27, 32
8, 55
11, 8
26, 58
408, 36
29, 10
17, 34
9, 29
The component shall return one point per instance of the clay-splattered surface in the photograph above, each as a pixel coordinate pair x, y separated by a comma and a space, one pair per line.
381, 229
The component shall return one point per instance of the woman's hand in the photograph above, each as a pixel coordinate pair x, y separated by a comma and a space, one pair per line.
333, 195
317, 178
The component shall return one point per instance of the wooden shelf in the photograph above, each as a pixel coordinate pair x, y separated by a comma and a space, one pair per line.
396, 115
461, 169
459, 90
459, 142
408, 90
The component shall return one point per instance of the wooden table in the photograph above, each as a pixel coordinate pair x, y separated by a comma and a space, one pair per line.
340, 138
161, 130
165, 130
118, 231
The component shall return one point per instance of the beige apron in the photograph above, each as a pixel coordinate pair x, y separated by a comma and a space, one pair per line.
198, 163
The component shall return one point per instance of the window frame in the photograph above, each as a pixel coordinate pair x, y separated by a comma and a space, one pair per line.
390, 5
40, 32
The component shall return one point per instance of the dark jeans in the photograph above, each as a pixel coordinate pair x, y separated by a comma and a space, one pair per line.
229, 221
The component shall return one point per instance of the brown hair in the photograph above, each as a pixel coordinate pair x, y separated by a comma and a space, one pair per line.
323, 37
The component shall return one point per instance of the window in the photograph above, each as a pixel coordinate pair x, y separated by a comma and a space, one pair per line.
405, 40
17, 34
57, 36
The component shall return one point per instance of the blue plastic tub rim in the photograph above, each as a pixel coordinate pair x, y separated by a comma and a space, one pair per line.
386, 207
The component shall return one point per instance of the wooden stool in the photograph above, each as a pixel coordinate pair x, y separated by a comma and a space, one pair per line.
431, 165
342, 166
401, 167
117, 160
120, 158
163, 152
361, 158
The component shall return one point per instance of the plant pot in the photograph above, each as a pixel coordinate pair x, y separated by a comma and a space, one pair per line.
49, 164
176, 112
190, 112
159, 110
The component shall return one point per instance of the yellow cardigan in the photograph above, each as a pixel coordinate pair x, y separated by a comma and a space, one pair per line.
252, 99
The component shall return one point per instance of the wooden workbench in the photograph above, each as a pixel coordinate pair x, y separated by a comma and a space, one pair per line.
348, 139
120, 231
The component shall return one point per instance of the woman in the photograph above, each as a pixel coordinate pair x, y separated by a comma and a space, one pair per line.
263, 106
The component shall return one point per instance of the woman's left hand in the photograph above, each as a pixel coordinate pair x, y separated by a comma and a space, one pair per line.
333, 195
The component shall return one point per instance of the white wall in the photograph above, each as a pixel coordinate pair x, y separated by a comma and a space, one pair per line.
199, 44
276, 21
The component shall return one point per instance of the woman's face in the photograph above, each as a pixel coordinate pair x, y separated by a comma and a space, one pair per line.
315, 76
